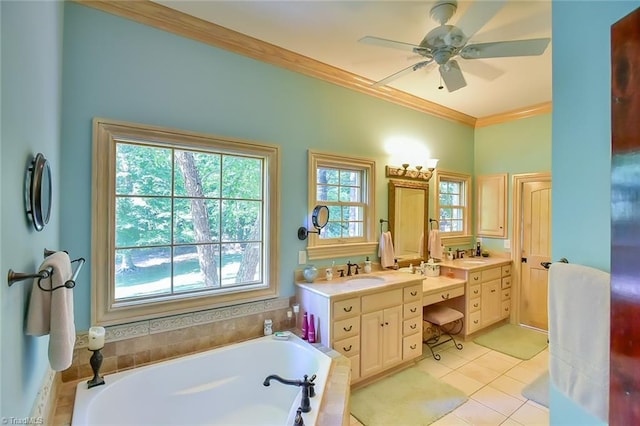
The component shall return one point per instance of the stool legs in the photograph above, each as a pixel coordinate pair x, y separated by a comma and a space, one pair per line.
434, 341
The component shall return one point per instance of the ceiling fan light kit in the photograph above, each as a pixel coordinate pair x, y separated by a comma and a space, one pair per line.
443, 43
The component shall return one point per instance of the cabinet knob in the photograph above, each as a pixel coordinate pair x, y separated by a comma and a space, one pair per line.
445, 297
475, 305
493, 290
475, 322
413, 326
348, 310
386, 323
347, 349
413, 310
414, 293
413, 346
347, 329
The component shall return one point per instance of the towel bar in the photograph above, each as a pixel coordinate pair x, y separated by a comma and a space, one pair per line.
13, 277
381, 222
431, 223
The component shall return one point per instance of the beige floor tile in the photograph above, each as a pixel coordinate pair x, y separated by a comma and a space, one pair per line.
497, 361
471, 350
462, 382
449, 420
433, 367
478, 372
354, 422
475, 413
497, 400
535, 365
523, 374
531, 414
452, 360
509, 386
510, 422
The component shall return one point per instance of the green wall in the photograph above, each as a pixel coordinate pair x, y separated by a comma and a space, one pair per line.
515, 147
31, 95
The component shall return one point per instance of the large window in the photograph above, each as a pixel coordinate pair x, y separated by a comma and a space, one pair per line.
181, 222
345, 186
453, 207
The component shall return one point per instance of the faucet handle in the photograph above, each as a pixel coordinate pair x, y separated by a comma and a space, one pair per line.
311, 385
298, 419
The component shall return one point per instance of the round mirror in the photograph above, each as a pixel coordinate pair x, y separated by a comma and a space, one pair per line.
38, 192
320, 217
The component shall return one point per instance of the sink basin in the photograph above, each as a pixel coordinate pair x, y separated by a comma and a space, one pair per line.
365, 280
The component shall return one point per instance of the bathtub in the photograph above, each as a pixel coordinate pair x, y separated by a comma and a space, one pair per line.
219, 387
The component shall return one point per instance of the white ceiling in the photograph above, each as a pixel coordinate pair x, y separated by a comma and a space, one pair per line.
328, 31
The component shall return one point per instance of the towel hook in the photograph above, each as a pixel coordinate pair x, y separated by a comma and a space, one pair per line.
381, 222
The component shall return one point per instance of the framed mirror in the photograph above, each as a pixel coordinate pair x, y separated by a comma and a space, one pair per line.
408, 220
38, 191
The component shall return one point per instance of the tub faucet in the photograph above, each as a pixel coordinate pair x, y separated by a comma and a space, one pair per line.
307, 388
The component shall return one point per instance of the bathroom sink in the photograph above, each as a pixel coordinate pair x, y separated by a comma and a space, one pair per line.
365, 280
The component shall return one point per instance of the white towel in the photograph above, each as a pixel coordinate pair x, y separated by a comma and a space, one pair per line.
385, 250
579, 309
435, 245
51, 312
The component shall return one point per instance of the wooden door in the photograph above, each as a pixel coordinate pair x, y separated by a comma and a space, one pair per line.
392, 336
624, 387
372, 325
536, 248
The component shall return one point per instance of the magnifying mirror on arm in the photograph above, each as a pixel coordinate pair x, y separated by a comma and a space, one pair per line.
319, 218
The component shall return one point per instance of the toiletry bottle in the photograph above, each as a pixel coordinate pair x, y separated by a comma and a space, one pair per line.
395, 264
328, 274
312, 329
268, 324
367, 266
478, 251
305, 326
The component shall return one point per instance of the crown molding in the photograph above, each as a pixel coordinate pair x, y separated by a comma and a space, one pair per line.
516, 114
158, 16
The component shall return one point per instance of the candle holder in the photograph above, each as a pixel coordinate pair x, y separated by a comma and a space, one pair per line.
96, 363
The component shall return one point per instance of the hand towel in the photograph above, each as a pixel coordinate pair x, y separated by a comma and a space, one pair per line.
435, 245
51, 312
579, 309
385, 250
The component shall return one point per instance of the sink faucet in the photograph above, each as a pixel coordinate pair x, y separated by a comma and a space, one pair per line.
459, 253
349, 265
307, 386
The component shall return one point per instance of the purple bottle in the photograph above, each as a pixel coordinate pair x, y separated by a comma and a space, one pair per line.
305, 327
312, 329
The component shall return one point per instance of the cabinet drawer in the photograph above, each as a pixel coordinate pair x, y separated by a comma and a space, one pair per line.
474, 304
506, 270
346, 328
355, 367
412, 293
491, 274
348, 347
506, 294
412, 325
475, 291
411, 346
375, 302
474, 321
506, 308
475, 278
346, 308
442, 295
413, 309
506, 282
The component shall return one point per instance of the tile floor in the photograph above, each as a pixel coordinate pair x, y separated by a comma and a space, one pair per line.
492, 380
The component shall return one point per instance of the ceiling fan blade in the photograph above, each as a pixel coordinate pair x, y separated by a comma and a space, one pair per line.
482, 69
400, 73
478, 14
377, 41
503, 49
452, 76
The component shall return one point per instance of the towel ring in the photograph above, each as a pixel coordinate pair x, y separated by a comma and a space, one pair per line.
14, 277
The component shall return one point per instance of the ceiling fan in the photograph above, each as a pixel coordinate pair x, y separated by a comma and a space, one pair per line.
445, 42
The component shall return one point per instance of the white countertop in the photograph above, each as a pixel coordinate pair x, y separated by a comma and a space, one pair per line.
475, 263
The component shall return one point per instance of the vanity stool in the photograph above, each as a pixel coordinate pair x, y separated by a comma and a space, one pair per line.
446, 321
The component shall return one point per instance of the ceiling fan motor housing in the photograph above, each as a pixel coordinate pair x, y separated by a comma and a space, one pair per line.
443, 10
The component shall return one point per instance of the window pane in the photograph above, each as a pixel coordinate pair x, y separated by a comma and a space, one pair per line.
142, 170
241, 221
327, 176
335, 213
241, 177
350, 194
457, 214
355, 229
350, 178
195, 267
142, 221
352, 213
327, 193
332, 230
197, 174
196, 220
241, 263
142, 272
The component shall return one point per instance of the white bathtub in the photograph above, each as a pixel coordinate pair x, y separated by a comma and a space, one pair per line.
222, 386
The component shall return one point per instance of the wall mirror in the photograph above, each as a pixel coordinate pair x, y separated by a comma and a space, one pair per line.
37, 192
319, 219
408, 220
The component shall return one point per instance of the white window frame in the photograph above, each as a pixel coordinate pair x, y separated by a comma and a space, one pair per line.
367, 244
455, 238
105, 309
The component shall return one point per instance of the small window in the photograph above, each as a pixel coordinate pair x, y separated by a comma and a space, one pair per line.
453, 207
181, 222
346, 186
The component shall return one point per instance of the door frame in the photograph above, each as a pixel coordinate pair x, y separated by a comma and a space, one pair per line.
517, 182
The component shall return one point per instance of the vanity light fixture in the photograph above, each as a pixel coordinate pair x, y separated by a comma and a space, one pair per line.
416, 174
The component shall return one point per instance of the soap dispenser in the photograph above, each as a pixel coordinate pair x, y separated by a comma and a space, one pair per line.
367, 266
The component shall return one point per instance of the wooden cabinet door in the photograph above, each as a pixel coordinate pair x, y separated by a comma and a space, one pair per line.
392, 336
491, 302
491, 205
371, 331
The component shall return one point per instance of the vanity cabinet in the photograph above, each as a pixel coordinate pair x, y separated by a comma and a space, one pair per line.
491, 203
376, 330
